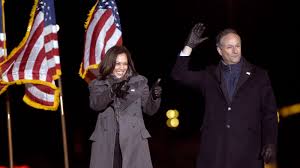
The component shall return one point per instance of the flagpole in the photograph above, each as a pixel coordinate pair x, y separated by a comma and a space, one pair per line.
63, 124
10, 144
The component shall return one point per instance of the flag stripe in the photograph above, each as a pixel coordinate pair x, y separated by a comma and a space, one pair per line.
34, 42
97, 34
40, 94
39, 60
101, 41
109, 41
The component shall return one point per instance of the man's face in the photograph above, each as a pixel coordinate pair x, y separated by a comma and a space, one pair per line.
230, 48
121, 65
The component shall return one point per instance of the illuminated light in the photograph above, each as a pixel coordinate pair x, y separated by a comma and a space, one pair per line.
172, 114
270, 166
173, 123
289, 110
21, 166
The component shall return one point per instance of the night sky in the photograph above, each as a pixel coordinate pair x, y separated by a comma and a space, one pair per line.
154, 32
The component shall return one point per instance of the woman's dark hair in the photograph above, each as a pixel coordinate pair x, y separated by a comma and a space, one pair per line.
224, 33
109, 62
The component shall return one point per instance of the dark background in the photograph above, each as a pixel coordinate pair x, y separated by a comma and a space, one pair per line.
154, 32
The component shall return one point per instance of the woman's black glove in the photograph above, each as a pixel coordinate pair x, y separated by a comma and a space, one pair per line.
156, 90
269, 153
120, 89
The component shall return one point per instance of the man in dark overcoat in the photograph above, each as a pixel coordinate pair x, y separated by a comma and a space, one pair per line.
239, 128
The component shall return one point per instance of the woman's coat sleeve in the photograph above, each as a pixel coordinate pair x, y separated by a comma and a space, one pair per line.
100, 95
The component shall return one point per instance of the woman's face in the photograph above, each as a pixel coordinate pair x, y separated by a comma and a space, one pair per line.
121, 65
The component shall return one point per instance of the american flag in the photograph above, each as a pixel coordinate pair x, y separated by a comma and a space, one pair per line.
35, 62
103, 32
2, 35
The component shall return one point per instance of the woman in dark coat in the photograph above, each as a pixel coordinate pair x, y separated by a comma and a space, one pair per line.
120, 96
239, 128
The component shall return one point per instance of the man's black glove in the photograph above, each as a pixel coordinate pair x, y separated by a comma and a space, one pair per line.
120, 89
269, 153
156, 90
195, 36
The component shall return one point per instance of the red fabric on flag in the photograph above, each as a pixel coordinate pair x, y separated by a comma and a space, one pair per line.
103, 32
